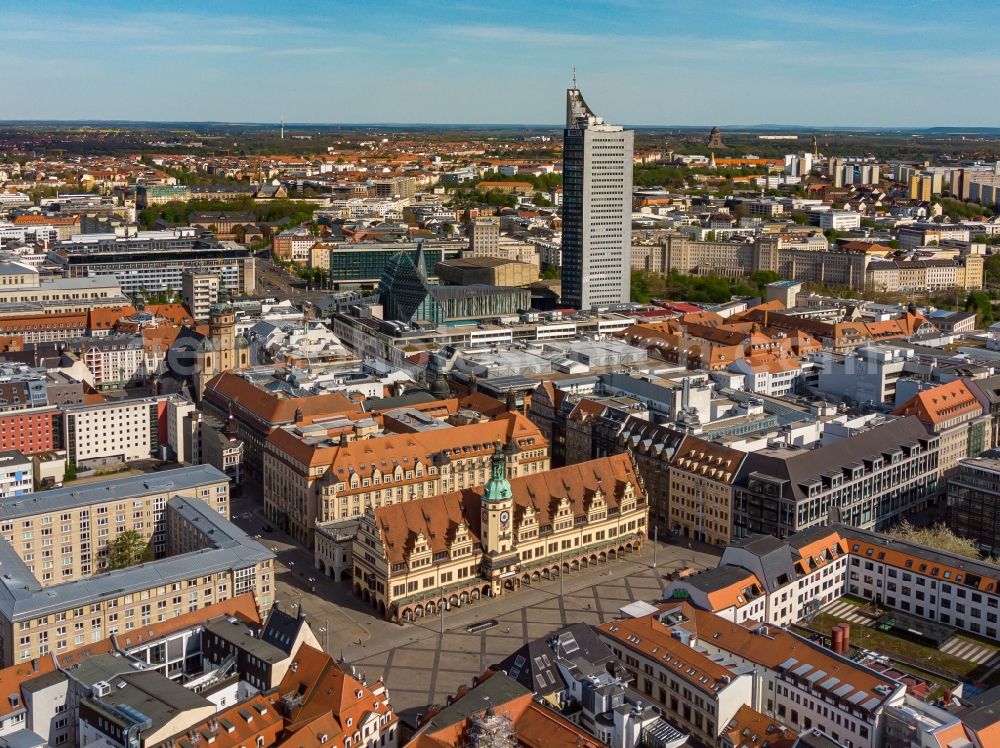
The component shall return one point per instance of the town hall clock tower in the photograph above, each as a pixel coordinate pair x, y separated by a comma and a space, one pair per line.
497, 506
497, 523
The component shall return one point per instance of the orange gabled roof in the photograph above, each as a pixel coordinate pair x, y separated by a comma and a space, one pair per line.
648, 636
105, 318
710, 319
230, 729
365, 457
13, 677
329, 694
708, 459
36, 220
729, 596
482, 403
535, 726
774, 305
322, 731
586, 409
778, 646
954, 735
159, 337
902, 559
268, 408
11, 343
941, 403
867, 247
818, 548
750, 729
69, 321
540, 727
556, 394
176, 313
437, 518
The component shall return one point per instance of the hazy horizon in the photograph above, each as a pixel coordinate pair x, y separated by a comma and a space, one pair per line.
734, 128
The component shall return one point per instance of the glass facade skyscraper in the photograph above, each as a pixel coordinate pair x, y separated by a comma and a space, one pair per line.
597, 208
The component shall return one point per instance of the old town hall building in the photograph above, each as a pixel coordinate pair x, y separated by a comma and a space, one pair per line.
412, 557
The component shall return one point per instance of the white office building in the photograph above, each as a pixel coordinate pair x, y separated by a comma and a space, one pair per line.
16, 474
597, 208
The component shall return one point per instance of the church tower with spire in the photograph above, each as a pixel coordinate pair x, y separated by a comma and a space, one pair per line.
223, 349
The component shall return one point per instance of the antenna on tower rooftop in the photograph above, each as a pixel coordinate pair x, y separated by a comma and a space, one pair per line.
574, 76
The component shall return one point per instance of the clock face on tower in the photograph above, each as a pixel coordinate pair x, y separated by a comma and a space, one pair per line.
504, 516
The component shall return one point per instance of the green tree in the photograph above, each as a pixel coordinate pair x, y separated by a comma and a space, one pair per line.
70, 472
991, 268
762, 277
939, 537
128, 549
980, 303
640, 287
549, 272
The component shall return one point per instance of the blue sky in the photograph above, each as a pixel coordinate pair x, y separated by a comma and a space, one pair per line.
657, 62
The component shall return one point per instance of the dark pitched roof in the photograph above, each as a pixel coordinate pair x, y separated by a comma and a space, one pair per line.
496, 691
983, 710
534, 664
989, 386
775, 559
281, 629
800, 467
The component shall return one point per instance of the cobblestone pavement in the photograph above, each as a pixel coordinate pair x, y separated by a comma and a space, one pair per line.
420, 665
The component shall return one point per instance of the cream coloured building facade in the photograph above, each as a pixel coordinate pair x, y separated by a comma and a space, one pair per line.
456, 548
332, 476
58, 591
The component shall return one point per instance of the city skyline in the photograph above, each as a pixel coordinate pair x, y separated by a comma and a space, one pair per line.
671, 64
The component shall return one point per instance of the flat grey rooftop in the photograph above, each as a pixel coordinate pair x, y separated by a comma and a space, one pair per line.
239, 634
22, 597
151, 694
179, 480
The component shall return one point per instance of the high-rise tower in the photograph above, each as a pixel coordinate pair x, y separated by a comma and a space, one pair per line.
597, 208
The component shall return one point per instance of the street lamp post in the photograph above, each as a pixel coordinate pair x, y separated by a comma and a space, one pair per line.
656, 534
441, 607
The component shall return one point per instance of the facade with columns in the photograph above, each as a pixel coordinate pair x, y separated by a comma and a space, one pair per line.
455, 548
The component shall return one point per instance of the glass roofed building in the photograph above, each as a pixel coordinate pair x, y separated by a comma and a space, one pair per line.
407, 296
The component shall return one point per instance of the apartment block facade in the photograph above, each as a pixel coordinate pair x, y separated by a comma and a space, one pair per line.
113, 431
780, 582
871, 481
701, 669
59, 593
974, 502
63, 534
689, 481
155, 260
